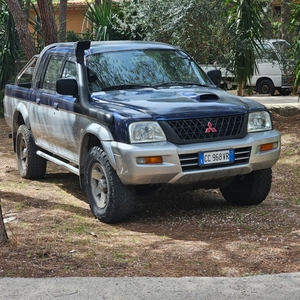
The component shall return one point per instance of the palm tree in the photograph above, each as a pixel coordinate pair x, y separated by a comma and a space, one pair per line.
246, 27
99, 15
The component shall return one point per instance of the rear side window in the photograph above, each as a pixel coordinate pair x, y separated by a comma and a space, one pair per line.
52, 73
25, 77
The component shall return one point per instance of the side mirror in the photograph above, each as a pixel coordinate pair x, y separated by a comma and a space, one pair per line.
67, 86
215, 76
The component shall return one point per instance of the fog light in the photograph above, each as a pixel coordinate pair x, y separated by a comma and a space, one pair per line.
268, 147
149, 160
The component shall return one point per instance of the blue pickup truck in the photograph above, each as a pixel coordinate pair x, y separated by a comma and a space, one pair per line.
130, 116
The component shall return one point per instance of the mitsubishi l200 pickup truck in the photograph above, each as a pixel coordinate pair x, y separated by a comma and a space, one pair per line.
137, 116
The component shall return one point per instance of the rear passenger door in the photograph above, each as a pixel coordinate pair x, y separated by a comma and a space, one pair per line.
55, 118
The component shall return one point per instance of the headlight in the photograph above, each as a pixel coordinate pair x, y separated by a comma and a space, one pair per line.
259, 121
145, 132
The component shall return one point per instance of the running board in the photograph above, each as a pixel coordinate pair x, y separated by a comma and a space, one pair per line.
58, 162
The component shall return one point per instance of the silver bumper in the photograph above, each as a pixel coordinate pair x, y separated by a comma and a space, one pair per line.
170, 171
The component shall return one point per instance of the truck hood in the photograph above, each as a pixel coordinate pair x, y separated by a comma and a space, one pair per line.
173, 103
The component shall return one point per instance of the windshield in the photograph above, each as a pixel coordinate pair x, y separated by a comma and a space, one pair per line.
141, 68
282, 46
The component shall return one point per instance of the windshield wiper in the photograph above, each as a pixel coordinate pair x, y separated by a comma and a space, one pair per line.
125, 86
174, 83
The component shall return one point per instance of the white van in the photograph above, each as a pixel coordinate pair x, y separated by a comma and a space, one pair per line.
274, 69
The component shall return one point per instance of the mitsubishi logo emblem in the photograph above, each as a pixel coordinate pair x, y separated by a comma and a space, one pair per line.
210, 128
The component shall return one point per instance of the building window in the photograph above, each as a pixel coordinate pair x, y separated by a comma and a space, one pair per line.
277, 11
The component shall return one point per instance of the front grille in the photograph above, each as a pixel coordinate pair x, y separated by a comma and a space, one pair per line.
205, 129
288, 80
189, 162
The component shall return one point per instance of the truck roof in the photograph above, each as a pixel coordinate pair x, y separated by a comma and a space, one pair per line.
108, 46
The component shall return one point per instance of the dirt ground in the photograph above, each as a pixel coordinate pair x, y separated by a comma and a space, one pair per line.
53, 233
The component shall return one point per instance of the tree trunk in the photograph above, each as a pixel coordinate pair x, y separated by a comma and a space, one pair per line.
25, 5
22, 27
240, 89
3, 234
49, 28
62, 20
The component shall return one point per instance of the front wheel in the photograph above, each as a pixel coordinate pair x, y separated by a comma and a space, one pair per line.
110, 201
266, 86
30, 165
249, 189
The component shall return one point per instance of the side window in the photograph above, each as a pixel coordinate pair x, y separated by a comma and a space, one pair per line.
52, 73
69, 70
24, 78
269, 53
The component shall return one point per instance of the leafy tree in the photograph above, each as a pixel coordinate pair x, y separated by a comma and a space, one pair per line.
246, 27
195, 25
201, 31
294, 28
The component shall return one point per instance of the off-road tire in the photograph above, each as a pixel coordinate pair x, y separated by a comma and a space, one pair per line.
249, 189
110, 201
30, 165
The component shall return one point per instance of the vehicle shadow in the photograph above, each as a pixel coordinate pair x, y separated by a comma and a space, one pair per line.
151, 207
42, 204
68, 182
182, 216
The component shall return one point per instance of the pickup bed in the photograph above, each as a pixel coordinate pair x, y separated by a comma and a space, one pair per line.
132, 117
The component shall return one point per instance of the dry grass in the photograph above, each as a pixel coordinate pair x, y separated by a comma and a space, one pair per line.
191, 234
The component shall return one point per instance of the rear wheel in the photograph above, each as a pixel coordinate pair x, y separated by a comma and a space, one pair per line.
266, 86
249, 189
30, 165
110, 201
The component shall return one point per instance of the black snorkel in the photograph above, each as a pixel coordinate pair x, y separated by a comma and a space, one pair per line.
84, 98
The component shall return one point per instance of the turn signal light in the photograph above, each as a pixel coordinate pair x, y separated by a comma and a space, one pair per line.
149, 160
268, 147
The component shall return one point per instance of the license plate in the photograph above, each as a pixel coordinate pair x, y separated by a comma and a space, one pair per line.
216, 157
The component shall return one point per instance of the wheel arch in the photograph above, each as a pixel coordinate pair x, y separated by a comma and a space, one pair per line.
95, 135
260, 79
20, 117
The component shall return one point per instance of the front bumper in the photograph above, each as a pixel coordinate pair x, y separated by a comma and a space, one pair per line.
287, 82
171, 171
